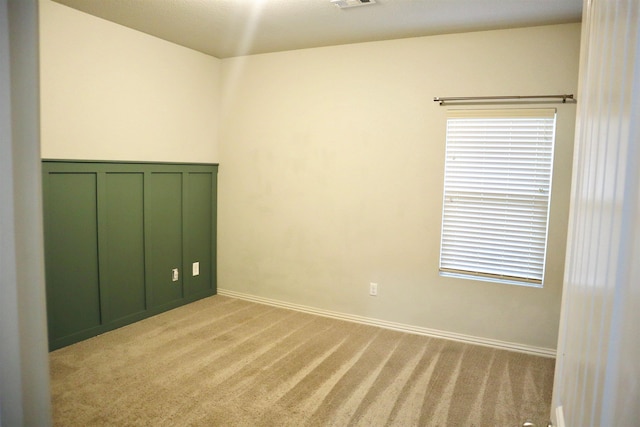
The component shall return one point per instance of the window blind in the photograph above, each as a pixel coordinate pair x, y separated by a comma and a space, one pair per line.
497, 187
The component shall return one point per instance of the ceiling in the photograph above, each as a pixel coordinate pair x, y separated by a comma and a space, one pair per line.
227, 28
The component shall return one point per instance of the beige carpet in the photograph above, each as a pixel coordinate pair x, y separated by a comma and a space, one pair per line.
226, 362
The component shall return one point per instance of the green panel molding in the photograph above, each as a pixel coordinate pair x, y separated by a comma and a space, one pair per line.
113, 233
164, 201
199, 232
71, 252
122, 243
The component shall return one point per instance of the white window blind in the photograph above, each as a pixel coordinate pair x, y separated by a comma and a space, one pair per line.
496, 194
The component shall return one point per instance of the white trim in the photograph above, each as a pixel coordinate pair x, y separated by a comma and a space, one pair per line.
560, 417
468, 339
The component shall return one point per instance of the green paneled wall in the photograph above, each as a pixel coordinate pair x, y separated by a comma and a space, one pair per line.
122, 243
113, 234
165, 236
72, 254
197, 229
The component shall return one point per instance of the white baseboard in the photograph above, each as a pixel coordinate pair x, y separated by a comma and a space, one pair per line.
560, 417
487, 342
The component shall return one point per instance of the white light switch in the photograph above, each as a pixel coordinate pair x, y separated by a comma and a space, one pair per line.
174, 275
196, 268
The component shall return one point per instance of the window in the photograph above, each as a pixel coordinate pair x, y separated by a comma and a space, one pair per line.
497, 190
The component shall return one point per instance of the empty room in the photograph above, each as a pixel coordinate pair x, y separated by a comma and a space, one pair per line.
320, 212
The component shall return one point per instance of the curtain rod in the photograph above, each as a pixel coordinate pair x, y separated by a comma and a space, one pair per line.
442, 100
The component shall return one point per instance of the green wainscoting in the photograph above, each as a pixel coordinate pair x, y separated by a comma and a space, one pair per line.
71, 253
165, 224
122, 243
200, 207
114, 232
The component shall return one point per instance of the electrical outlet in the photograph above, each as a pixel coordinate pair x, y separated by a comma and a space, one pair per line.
373, 289
195, 268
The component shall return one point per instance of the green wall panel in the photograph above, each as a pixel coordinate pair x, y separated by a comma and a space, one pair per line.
71, 249
114, 232
164, 219
122, 242
198, 232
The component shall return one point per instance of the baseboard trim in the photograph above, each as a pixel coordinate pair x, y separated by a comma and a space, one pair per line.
560, 416
468, 339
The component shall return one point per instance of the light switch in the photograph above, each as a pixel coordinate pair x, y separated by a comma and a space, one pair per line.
196, 268
174, 275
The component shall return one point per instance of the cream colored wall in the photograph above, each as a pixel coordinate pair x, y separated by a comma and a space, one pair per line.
112, 93
332, 171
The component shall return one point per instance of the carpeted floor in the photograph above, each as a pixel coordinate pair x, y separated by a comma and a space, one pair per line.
227, 362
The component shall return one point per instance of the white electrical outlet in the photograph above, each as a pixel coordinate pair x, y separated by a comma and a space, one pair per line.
195, 268
174, 275
373, 289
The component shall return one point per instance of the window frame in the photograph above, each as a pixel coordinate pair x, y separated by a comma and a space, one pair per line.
544, 119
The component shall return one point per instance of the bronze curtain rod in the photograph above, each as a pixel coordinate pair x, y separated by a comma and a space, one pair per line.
503, 98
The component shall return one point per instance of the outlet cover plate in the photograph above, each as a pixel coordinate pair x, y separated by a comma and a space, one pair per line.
373, 289
195, 268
